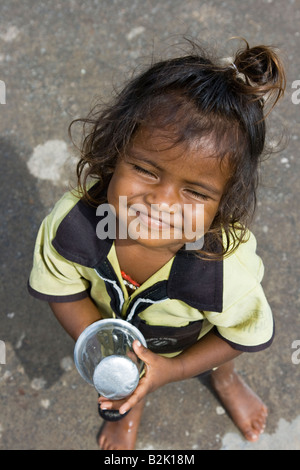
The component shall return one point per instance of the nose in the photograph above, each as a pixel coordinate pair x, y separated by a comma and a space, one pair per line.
165, 197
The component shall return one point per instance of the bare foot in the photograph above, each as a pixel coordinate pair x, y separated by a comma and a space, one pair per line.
245, 408
122, 434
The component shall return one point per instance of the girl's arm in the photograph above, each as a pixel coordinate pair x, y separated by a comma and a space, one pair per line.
75, 316
209, 352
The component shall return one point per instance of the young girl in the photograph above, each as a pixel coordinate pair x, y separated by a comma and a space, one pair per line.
183, 137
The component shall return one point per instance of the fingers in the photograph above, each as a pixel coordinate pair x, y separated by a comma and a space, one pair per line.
107, 404
142, 389
143, 353
127, 403
140, 392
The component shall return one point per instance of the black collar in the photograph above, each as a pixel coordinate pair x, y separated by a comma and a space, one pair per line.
197, 282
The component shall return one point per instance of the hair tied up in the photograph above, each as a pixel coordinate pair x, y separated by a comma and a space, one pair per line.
234, 67
263, 71
228, 63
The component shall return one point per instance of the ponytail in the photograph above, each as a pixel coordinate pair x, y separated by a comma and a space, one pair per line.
263, 71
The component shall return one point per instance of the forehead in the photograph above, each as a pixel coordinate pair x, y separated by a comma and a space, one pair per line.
163, 146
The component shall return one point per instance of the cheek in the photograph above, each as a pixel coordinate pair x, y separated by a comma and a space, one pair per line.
111, 191
193, 221
116, 187
122, 183
210, 215
202, 217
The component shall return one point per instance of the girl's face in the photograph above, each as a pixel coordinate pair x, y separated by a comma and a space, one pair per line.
170, 194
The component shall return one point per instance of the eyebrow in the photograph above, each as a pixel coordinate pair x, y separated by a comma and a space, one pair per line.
208, 187
139, 157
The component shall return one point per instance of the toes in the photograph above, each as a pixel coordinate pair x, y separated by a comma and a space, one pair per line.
251, 436
254, 431
256, 428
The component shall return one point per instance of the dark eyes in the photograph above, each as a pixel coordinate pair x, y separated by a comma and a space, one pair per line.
194, 194
203, 197
142, 171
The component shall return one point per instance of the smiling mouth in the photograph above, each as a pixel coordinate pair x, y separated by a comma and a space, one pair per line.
153, 222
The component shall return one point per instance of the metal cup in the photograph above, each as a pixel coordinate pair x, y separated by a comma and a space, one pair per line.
104, 357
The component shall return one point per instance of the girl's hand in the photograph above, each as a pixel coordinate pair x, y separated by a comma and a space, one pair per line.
158, 371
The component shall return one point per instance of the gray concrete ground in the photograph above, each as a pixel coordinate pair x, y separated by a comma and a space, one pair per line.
55, 56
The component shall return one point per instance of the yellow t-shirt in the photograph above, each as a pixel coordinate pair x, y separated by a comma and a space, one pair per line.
175, 307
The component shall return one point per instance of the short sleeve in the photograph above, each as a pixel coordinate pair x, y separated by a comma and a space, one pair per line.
246, 321
53, 278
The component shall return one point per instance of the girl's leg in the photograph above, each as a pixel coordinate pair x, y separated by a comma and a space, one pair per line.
122, 434
245, 408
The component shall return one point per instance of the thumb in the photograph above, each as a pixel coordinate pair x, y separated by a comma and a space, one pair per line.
143, 353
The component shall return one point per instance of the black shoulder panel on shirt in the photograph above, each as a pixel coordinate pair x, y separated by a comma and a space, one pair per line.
76, 238
197, 282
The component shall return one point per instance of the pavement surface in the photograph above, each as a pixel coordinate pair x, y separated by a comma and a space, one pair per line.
55, 57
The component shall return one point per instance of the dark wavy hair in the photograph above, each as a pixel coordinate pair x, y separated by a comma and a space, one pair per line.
197, 98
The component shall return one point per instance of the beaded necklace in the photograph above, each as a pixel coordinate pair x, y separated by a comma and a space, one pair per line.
130, 284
